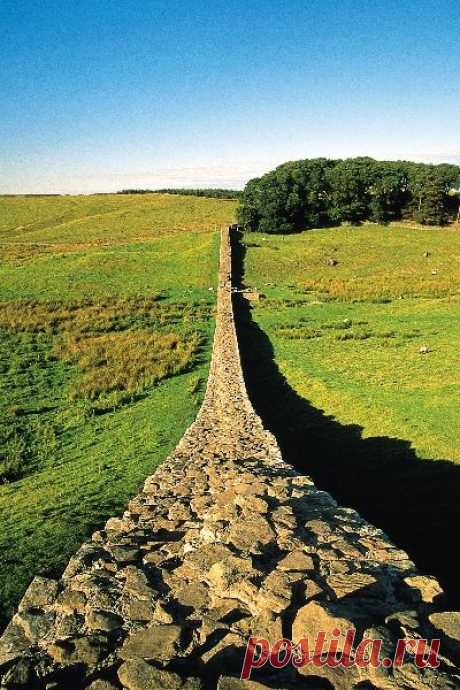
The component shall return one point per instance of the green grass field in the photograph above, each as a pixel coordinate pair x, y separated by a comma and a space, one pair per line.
352, 398
349, 335
107, 218
106, 322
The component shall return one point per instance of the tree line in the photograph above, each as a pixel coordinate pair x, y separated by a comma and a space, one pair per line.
209, 193
321, 192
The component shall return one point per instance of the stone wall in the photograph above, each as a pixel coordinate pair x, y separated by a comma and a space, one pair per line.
224, 541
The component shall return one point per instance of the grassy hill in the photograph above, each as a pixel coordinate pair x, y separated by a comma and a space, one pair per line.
353, 358
106, 321
107, 218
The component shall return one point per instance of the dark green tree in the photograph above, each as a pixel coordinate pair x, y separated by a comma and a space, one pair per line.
319, 192
248, 213
389, 192
351, 182
433, 201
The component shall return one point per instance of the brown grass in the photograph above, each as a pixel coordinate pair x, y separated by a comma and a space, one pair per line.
120, 346
125, 363
89, 316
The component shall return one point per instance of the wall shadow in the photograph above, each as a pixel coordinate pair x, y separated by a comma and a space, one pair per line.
415, 501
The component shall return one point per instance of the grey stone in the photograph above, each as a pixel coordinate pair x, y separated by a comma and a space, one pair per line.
160, 642
447, 624
41, 592
137, 674
103, 620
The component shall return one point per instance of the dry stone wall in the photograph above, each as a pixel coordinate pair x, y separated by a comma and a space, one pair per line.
224, 541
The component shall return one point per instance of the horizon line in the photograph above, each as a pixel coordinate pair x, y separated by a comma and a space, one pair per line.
233, 178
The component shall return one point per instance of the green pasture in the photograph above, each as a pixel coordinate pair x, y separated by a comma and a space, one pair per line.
106, 324
352, 356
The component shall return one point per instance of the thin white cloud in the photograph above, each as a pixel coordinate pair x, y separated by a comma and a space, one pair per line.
234, 177
438, 157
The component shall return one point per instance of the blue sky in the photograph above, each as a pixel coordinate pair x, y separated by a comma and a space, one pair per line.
98, 95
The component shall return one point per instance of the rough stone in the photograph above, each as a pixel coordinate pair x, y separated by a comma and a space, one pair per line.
251, 534
84, 650
103, 620
20, 676
204, 557
231, 642
41, 592
194, 594
102, 685
137, 674
71, 600
297, 560
225, 575
161, 615
228, 683
314, 618
448, 625
251, 504
312, 590
345, 585
137, 609
423, 588
266, 625
35, 623
160, 642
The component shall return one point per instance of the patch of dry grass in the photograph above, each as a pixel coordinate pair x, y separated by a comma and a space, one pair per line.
90, 316
116, 365
118, 345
